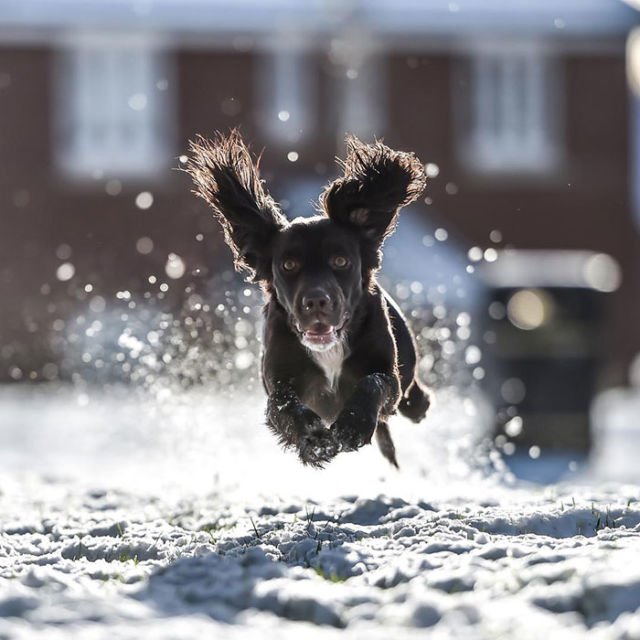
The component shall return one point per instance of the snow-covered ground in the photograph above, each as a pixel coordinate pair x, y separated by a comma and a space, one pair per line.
125, 516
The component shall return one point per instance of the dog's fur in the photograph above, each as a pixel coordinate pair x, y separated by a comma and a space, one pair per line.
337, 350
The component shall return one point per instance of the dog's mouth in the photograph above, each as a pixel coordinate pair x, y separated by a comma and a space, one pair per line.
320, 333
320, 336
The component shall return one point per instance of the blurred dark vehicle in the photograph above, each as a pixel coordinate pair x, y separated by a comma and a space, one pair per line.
544, 323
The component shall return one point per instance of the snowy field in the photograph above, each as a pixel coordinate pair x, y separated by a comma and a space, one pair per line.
130, 517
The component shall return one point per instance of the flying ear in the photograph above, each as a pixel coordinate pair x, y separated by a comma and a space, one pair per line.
376, 184
226, 177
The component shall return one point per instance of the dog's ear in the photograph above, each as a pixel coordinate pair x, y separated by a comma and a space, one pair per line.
227, 178
376, 184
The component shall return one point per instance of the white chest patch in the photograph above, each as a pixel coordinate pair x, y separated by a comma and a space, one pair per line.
330, 361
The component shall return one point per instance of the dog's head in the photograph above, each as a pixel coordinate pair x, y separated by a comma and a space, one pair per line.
317, 268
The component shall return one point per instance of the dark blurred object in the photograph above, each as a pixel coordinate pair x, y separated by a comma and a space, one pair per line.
545, 314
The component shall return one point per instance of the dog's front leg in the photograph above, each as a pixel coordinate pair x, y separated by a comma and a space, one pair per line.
297, 426
375, 397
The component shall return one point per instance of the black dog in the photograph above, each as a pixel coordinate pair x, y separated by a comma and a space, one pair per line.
336, 348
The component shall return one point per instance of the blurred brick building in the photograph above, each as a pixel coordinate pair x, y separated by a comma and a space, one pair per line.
522, 109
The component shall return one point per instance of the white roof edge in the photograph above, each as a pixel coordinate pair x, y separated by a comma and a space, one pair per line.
380, 17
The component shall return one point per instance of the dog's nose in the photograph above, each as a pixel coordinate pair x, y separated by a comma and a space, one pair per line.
316, 300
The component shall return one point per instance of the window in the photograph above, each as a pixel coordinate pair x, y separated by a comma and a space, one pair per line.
286, 89
361, 105
114, 113
510, 122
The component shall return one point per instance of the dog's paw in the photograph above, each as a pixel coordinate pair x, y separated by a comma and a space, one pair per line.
318, 447
415, 403
354, 428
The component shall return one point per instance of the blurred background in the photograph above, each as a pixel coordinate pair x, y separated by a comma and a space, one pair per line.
519, 269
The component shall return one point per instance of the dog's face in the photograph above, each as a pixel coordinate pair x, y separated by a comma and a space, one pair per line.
316, 275
318, 268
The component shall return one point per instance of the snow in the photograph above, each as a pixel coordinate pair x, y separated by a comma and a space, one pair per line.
125, 516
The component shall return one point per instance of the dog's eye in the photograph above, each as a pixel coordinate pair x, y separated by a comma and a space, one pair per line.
290, 264
339, 262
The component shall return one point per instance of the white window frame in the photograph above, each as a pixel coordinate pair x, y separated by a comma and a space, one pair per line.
287, 90
509, 116
362, 99
114, 108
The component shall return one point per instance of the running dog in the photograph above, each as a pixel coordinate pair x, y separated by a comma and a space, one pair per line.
338, 356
